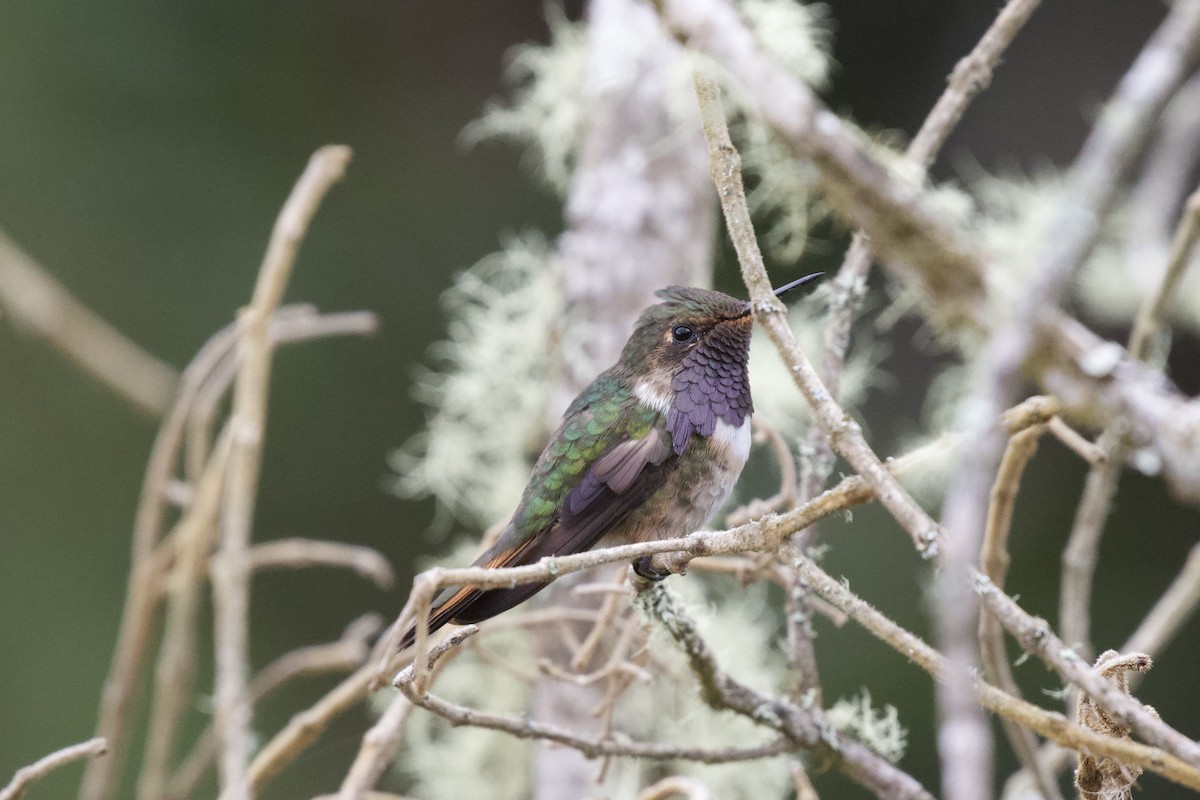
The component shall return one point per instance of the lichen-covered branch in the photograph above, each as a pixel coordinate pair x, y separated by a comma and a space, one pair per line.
806, 727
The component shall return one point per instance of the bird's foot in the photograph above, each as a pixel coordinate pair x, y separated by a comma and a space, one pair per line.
644, 568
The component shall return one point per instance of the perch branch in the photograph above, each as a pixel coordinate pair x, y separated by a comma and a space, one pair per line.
762, 535
845, 433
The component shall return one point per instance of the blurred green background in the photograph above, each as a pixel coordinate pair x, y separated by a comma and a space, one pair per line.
145, 149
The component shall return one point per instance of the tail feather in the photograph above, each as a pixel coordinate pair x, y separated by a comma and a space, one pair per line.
470, 604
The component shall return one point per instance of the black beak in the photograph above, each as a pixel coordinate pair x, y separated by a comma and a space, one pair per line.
788, 288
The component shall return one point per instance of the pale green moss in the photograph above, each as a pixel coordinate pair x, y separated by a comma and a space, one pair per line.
489, 390
879, 730
548, 109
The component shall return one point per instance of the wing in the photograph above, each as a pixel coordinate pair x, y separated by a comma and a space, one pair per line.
605, 460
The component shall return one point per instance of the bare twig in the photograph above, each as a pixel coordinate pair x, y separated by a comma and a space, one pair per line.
194, 536
1183, 244
1035, 637
47, 764
1052, 725
303, 553
307, 726
970, 76
801, 783
346, 654
994, 560
845, 433
1090, 452
40, 306
231, 571
1082, 550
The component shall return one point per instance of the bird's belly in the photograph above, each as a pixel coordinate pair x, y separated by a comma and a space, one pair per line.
696, 490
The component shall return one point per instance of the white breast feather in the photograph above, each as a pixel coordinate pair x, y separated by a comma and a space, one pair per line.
653, 396
734, 441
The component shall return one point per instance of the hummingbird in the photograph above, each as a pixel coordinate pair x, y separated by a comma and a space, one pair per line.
649, 450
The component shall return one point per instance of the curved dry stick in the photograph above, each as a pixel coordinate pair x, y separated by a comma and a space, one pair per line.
46, 764
1035, 637
231, 570
40, 306
102, 775
994, 561
344, 655
303, 553
193, 537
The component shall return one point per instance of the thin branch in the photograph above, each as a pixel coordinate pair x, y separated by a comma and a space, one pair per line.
1035, 637
45, 765
1082, 551
194, 535
762, 535
231, 572
1050, 724
1183, 244
1089, 451
806, 727
844, 432
304, 553
801, 783
346, 654
40, 306
994, 561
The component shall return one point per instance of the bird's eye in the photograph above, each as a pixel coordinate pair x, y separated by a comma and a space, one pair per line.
683, 333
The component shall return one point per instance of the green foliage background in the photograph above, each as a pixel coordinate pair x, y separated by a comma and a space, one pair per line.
144, 151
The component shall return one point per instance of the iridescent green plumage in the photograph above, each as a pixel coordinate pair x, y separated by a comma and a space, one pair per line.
603, 416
